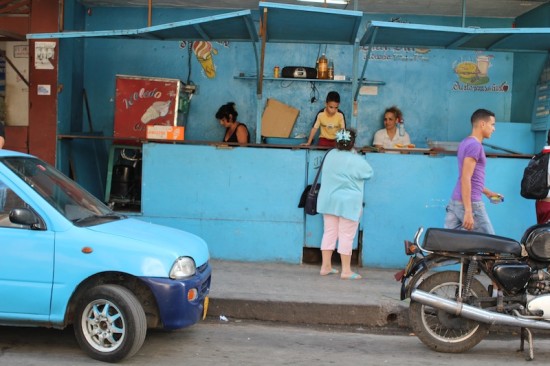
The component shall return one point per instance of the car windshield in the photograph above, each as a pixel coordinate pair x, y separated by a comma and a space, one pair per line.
67, 197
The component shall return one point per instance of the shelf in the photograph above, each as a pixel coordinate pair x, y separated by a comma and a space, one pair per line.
365, 82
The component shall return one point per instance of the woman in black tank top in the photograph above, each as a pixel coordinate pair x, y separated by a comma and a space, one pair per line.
234, 130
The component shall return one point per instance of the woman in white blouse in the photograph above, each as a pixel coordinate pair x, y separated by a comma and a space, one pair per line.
393, 135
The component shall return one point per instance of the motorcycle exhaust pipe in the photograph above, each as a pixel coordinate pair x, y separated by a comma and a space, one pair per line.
471, 312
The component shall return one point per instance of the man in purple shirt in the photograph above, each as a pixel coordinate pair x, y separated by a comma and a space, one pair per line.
466, 209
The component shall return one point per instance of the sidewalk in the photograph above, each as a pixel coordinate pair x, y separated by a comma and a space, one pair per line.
296, 293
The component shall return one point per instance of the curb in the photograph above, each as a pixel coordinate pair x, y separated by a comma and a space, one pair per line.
382, 315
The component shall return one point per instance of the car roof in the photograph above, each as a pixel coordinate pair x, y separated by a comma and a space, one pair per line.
8, 153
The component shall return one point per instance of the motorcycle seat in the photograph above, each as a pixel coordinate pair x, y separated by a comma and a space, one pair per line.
462, 241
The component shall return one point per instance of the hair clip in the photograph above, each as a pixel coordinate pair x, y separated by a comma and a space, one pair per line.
343, 135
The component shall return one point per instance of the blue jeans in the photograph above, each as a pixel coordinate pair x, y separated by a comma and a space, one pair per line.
455, 215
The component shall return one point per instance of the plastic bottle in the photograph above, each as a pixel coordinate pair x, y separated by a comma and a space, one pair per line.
322, 68
401, 129
330, 70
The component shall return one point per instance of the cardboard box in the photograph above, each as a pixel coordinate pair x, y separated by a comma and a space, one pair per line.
278, 119
174, 133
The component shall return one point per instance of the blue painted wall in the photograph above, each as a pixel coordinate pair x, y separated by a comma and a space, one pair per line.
409, 191
243, 201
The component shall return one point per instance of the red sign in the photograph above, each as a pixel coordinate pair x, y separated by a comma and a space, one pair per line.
142, 102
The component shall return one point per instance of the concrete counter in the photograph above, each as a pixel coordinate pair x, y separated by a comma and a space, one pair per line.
243, 201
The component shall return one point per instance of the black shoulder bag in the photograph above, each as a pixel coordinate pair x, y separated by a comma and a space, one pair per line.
308, 199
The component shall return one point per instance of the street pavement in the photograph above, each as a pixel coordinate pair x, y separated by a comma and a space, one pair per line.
297, 294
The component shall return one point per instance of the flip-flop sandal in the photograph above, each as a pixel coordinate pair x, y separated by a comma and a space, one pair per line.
354, 276
332, 271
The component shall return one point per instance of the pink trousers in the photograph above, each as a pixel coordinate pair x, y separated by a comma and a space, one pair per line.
338, 229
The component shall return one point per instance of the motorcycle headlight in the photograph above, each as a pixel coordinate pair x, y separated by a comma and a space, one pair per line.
182, 268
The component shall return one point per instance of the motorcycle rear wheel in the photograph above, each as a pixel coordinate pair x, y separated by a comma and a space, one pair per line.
442, 331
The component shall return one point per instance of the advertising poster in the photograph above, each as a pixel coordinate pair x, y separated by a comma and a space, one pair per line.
142, 102
44, 55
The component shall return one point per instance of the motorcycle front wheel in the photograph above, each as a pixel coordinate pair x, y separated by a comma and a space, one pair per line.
442, 331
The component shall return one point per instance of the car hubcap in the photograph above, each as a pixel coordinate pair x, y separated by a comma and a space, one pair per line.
103, 325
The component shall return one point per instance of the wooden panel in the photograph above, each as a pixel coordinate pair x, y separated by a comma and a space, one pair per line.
16, 138
43, 108
14, 28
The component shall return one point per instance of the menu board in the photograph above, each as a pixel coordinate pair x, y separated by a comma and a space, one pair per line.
540, 120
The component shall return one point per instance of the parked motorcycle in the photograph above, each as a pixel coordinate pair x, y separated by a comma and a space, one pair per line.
491, 280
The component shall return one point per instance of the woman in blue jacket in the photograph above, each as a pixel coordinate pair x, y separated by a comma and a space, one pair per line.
341, 201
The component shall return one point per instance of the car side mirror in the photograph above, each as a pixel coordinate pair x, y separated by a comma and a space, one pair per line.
24, 216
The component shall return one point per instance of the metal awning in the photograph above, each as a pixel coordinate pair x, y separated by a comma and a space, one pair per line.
235, 26
431, 36
307, 24
457, 38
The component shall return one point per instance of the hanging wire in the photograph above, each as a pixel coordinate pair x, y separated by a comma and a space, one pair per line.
286, 83
314, 93
189, 53
135, 156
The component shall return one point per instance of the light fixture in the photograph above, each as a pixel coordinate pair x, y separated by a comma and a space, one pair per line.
339, 2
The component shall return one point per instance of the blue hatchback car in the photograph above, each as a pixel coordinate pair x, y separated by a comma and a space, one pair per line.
66, 258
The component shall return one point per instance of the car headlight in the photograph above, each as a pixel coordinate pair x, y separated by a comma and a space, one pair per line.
183, 267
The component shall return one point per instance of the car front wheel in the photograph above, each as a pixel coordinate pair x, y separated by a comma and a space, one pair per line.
110, 323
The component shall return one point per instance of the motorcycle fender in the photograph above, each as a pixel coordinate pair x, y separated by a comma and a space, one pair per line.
412, 274
418, 270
